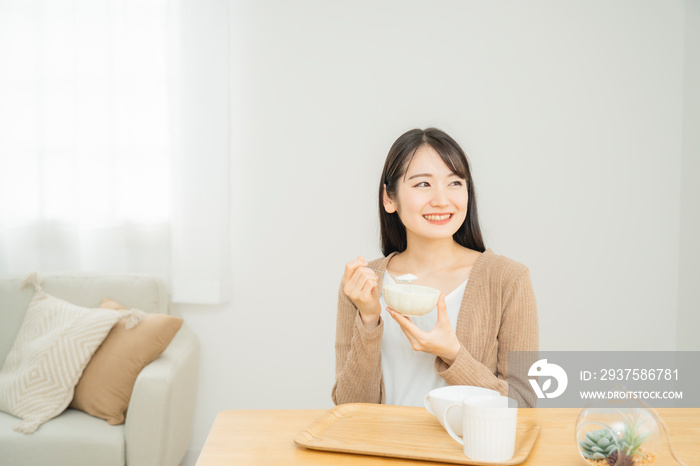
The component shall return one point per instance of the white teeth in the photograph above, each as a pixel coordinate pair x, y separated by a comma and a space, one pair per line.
437, 218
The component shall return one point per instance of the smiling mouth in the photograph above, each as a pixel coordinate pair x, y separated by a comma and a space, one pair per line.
438, 218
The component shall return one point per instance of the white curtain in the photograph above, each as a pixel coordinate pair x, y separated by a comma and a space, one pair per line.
101, 167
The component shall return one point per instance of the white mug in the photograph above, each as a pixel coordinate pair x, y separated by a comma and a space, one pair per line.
489, 424
437, 401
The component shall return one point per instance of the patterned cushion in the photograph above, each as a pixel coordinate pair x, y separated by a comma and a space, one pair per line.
53, 346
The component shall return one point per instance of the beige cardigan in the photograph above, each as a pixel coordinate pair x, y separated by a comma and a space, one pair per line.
498, 314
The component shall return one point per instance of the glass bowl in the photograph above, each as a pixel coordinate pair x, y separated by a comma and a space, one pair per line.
618, 433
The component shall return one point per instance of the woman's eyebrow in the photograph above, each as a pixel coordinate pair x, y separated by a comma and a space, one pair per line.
429, 175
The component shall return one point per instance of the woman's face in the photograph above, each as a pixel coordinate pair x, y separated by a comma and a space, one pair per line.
430, 200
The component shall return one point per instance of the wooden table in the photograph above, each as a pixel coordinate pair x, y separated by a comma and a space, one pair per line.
266, 437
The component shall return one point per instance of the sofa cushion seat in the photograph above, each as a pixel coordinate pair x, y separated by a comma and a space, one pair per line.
73, 438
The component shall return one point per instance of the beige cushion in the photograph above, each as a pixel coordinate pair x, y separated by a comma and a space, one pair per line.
53, 346
105, 388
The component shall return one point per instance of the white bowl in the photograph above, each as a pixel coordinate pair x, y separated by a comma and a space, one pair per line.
411, 300
437, 401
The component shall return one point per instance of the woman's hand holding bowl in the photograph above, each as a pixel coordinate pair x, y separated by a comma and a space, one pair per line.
360, 285
440, 341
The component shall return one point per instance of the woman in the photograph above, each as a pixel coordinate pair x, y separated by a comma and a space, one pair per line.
430, 228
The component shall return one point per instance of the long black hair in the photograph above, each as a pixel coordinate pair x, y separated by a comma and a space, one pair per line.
397, 161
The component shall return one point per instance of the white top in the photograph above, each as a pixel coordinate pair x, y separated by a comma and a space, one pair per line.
408, 374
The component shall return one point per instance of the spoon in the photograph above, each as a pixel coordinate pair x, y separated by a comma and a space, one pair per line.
405, 278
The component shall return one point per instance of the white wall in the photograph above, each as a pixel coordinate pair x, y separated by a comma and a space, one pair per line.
571, 113
689, 253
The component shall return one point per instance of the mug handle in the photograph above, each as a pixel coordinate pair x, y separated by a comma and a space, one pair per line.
426, 402
448, 428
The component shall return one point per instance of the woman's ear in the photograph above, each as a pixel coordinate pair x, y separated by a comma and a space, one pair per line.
389, 205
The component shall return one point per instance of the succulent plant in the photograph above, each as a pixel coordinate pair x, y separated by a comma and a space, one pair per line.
598, 444
624, 459
631, 438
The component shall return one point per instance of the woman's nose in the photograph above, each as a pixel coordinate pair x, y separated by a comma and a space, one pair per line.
439, 197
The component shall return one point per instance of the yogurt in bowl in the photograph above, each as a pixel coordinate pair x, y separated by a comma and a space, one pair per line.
410, 300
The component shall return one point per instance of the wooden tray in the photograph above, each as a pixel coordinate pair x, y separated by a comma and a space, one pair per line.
398, 432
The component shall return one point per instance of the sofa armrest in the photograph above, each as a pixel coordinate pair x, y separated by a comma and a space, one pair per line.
159, 420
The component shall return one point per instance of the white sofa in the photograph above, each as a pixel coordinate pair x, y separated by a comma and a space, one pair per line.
160, 415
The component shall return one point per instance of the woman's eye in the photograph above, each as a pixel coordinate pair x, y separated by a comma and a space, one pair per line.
422, 184
457, 183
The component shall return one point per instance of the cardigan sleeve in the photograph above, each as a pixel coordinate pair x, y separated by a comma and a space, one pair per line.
518, 332
358, 357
